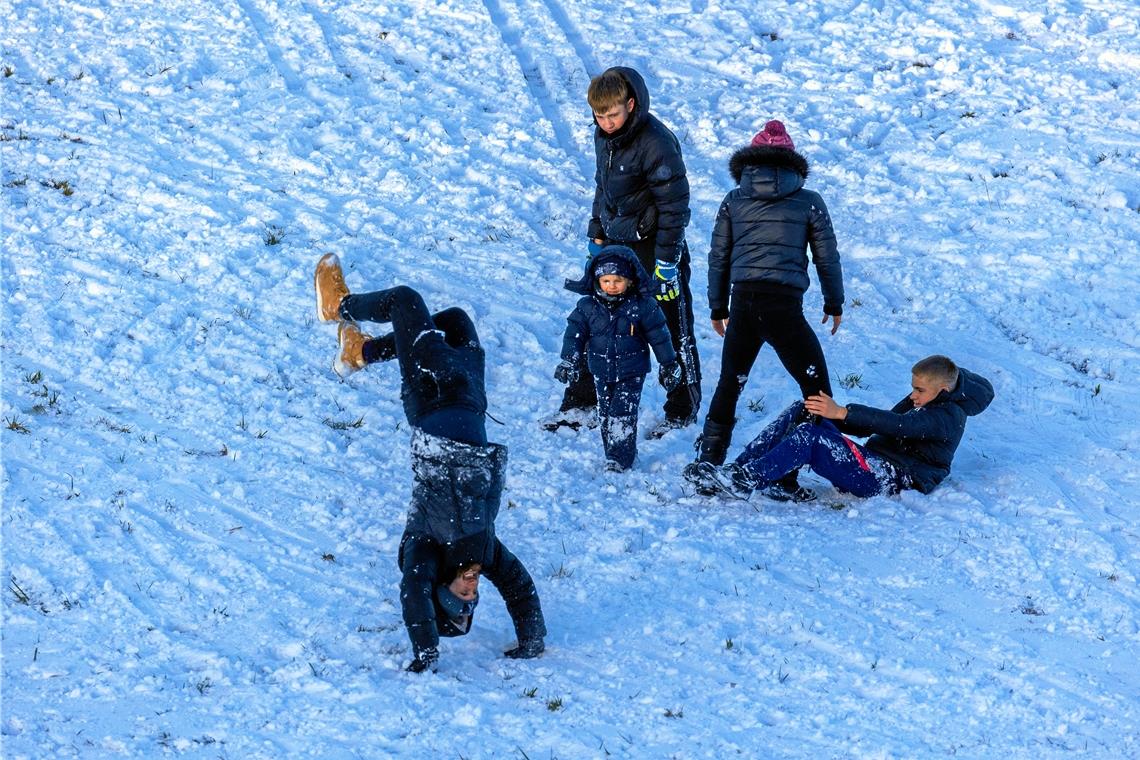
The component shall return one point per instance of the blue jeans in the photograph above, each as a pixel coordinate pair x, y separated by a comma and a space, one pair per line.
790, 443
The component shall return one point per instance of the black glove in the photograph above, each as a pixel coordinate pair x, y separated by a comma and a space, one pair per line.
566, 372
669, 375
425, 660
526, 650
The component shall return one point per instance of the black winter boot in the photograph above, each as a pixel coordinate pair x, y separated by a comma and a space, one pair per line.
713, 442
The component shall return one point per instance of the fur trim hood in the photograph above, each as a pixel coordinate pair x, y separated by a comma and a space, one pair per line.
762, 155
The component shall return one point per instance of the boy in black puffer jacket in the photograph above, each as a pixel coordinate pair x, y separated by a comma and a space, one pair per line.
613, 329
758, 274
911, 445
641, 200
449, 538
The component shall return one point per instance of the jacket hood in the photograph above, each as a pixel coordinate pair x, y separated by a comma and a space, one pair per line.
640, 107
973, 393
763, 155
642, 283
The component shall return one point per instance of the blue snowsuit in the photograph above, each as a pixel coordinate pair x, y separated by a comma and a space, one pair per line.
615, 333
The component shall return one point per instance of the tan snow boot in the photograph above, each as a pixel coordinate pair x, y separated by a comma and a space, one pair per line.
328, 281
350, 358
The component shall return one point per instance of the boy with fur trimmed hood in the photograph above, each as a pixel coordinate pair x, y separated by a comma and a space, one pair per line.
613, 329
758, 274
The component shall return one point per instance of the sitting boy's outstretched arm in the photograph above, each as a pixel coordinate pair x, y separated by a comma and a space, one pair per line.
824, 406
941, 424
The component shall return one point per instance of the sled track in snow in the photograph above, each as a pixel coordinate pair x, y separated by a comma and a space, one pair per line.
518, 24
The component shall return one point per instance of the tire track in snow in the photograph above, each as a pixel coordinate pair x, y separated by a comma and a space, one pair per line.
263, 30
537, 60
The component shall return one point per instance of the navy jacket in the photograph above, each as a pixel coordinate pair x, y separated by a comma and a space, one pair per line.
616, 334
921, 441
764, 228
457, 487
641, 186
448, 379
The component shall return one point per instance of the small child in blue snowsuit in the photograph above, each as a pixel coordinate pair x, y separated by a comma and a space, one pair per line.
615, 327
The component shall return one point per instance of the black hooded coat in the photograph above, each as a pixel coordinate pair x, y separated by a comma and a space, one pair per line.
641, 186
764, 228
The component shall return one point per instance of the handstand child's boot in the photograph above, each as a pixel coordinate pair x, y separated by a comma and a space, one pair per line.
328, 281
350, 357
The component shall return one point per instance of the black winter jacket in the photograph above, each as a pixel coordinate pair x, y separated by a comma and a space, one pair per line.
616, 334
641, 187
457, 487
921, 441
764, 228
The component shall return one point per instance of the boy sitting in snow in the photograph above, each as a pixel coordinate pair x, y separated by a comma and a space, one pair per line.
613, 328
910, 446
449, 538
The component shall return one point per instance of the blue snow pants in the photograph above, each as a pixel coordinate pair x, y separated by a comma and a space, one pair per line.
789, 443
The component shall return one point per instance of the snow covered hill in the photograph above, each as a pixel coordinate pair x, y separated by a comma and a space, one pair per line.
200, 520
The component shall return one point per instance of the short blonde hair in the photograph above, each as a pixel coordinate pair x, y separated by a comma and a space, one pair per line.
938, 368
607, 90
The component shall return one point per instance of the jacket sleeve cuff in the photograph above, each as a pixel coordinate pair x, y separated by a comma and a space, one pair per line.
594, 231
833, 310
719, 314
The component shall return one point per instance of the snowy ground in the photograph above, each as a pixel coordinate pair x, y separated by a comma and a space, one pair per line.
200, 520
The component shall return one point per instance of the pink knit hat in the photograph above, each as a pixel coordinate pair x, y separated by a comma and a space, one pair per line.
774, 135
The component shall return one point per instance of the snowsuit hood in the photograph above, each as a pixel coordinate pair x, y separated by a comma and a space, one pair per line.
586, 285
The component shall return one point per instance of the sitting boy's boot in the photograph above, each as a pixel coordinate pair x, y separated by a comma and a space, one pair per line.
526, 650
350, 358
788, 488
711, 480
425, 660
713, 442
328, 281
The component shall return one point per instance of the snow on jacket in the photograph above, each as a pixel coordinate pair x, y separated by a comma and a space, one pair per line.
763, 230
921, 441
457, 487
641, 187
616, 332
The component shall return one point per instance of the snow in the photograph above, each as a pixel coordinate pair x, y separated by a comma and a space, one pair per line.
200, 520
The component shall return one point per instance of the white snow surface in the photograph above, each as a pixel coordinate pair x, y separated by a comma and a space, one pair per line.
200, 520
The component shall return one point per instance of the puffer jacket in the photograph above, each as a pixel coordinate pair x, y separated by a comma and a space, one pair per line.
763, 230
641, 186
616, 333
446, 377
457, 487
921, 441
